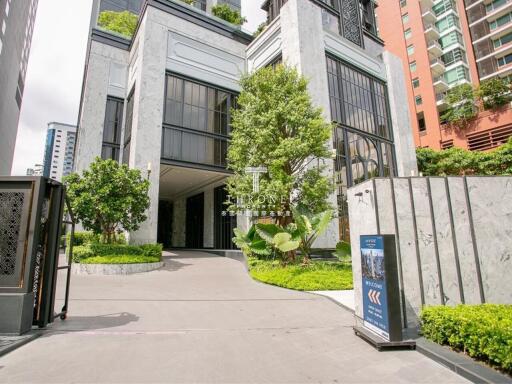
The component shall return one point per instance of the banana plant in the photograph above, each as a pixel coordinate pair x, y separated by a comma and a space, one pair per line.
277, 237
251, 243
308, 228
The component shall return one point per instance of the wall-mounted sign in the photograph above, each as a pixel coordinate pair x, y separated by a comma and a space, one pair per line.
381, 296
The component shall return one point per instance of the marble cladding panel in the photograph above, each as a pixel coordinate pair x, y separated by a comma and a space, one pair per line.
491, 207
408, 254
464, 241
178, 223
266, 47
362, 222
196, 59
147, 116
208, 236
384, 196
426, 244
445, 241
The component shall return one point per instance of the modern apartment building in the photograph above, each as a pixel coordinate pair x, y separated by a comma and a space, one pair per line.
162, 103
59, 150
442, 44
16, 28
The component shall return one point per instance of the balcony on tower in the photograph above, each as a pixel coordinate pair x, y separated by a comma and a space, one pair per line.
434, 48
440, 84
437, 67
431, 32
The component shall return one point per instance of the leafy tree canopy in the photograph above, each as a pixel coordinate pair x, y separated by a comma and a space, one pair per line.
494, 93
462, 105
458, 161
124, 23
225, 12
108, 198
277, 126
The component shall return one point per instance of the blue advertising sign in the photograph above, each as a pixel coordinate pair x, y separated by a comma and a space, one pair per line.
375, 300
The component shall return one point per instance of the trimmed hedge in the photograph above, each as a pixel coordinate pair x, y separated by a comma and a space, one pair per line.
83, 252
318, 276
83, 238
482, 331
121, 259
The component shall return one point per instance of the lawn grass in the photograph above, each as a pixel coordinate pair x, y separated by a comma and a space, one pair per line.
120, 259
318, 276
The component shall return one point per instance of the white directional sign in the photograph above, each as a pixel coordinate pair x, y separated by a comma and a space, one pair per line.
374, 296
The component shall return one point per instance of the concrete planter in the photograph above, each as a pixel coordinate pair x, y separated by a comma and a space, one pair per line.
114, 269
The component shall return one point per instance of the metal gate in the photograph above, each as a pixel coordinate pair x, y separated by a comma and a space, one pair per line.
31, 212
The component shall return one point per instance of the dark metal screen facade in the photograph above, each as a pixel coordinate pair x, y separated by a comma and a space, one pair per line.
363, 136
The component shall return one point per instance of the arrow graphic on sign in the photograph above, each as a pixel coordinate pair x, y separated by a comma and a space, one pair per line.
374, 296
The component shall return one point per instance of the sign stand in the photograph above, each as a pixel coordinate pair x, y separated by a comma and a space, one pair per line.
382, 323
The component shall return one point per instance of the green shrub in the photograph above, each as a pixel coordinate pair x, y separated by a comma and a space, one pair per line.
225, 12
458, 161
316, 276
482, 331
121, 259
89, 251
124, 23
152, 250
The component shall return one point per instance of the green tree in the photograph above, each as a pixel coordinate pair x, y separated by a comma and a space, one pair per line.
124, 23
108, 198
494, 93
225, 12
277, 126
462, 108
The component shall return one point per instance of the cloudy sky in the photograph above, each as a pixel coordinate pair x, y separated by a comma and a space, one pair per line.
54, 76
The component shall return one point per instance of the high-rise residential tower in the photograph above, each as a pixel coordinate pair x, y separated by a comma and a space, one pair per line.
444, 43
59, 150
16, 28
161, 103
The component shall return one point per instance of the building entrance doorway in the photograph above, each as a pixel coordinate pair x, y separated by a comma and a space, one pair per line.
195, 222
223, 222
165, 214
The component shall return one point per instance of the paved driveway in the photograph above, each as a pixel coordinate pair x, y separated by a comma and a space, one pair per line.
202, 319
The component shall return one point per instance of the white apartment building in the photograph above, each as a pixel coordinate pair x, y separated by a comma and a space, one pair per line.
59, 150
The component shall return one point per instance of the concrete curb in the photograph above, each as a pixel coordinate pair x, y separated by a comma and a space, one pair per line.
18, 341
463, 365
114, 269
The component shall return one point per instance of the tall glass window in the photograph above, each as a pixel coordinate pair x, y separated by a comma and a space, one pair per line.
196, 122
112, 129
363, 136
128, 128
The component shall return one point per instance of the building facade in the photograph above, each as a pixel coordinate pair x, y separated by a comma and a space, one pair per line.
16, 28
162, 103
444, 43
59, 150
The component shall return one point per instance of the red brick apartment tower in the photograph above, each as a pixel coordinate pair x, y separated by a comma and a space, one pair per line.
444, 43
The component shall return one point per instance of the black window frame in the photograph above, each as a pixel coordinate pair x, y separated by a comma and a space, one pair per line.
113, 146
219, 136
128, 126
384, 156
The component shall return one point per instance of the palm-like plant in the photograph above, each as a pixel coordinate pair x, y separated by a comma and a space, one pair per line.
308, 228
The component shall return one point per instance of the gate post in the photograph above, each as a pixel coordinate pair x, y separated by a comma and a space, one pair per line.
30, 221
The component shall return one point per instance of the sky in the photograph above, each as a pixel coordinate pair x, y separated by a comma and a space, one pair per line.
55, 71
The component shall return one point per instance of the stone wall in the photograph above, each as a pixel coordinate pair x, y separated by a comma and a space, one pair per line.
454, 238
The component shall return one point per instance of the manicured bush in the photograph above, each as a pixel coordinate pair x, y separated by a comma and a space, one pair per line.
82, 238
458, 161
121, 259
225, 12
124, 23
87, 253
482, 331
316, 276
